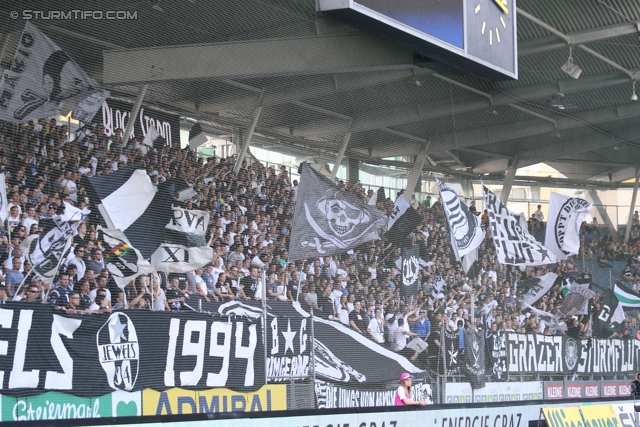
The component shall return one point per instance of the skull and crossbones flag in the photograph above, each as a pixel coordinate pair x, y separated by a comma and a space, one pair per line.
328, 220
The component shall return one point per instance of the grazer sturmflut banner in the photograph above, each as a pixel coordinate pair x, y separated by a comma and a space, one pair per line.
529, 353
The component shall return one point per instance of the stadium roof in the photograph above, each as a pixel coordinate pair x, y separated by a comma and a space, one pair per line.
317, 80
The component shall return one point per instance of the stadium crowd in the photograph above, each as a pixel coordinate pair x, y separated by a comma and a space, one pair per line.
251, 215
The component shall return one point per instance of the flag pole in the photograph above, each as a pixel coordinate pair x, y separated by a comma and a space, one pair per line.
22, 283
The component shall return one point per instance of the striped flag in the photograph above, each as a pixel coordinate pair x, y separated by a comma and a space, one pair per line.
626, 298
124, 262
130, 203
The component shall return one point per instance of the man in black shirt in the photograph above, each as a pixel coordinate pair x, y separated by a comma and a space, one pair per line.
173, 294
357, 318
251, 284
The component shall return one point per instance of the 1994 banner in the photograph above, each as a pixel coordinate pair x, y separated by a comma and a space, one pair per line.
41, 349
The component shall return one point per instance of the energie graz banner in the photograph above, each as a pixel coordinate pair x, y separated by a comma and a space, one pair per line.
44, 350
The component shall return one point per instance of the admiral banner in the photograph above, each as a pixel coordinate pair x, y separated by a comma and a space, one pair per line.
129, 351
180, 401
528, 353
514, 244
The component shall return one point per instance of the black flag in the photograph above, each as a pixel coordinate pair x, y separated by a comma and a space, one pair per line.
474, 358
410, 271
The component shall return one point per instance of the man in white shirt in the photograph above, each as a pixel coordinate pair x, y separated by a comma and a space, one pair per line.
376, 327
538, 214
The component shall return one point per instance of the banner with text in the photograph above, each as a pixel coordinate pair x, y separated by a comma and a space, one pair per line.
131, 350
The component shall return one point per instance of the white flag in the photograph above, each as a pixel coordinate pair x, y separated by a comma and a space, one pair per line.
42, 80
464, 227
4, 203
184, 247
563, 229
536, 287
86, 109
514, 245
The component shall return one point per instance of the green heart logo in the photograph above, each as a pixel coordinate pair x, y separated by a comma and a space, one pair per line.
126, 409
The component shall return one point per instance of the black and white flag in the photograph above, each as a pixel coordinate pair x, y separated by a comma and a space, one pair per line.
4, 202
48, 250
196, 137
576, 301
402, 222
132, 204
184, 247
563, 229
328, 220
86, 109
610, 318
464, 227
474, 357
410, 271
509, 231
42, 80
124, 262
536, 287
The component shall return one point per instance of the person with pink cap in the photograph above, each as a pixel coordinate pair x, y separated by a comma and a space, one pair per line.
403, 394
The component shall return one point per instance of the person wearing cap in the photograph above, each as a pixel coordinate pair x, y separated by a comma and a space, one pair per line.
403, 393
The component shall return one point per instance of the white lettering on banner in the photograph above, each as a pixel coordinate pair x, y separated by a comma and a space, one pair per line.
189, 221
574, 391
286, 366
591, 390
297, 366
609, 390
61, 326
197, 349
24, 411
555, 392
511, 420
330, 396
114, 119
19, 378
534, 353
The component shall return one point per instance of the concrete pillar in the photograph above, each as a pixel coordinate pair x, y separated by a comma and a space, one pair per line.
632, 207
247, 141
353, 171
508, 180
340, 155
416, 171
605, 216
134, 115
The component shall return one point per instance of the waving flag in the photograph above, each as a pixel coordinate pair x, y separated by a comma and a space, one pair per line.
464, 227
563, 229
184, 247
402, 222
514, 245
123, 261
328, 220
47, 251
42, 80
131, 203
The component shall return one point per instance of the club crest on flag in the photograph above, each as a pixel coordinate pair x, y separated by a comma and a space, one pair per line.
119, 352
563, 229
410, 270
464, 226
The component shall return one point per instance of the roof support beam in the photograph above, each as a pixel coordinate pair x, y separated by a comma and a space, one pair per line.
546, 44
568, 40
403, 114
633, 205
492, 134
255, 58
